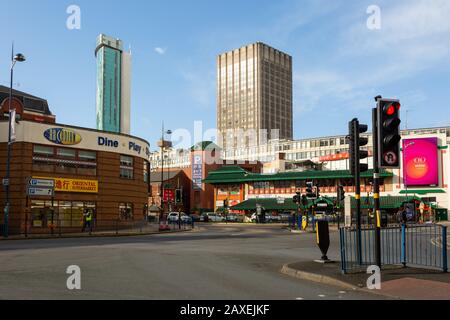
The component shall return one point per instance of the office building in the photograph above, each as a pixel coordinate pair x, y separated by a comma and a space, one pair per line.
254, 96
113, 85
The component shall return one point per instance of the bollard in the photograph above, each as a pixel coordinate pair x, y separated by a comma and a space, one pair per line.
444, 249
342, 245
323, 239
403, 258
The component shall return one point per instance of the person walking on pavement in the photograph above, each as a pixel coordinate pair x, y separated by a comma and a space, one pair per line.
87, 220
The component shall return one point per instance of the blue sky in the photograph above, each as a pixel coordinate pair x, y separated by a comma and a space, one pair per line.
339, 64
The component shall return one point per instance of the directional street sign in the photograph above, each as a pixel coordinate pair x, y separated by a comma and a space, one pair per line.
37, 191
41, 187
42, 183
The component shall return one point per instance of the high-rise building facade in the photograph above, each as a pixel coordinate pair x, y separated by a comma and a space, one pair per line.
254, 94
113, 85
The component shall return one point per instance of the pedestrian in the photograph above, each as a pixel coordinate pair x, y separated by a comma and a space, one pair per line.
87, 220
404, 217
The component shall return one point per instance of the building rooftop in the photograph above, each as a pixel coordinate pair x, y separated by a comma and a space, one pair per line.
30, 102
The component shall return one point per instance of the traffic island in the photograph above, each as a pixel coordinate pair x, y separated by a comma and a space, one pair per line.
397, 282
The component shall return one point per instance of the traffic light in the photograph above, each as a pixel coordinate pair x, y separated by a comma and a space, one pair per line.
356, 142
304, 200
341, 194
310, 193
178, 196
388, 123
317, 192
297, 198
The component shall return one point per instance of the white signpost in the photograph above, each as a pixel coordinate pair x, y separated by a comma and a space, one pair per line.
41, 187
36, 191
42, 183
348, 211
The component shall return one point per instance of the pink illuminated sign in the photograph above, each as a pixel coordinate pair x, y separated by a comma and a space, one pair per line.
420, 162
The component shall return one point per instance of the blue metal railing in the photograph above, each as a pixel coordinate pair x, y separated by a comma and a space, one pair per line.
408, 245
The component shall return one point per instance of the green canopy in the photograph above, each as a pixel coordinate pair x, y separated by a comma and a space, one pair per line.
267, 204
388, 202
274, 204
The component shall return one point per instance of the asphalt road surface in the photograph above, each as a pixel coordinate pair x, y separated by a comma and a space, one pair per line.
215, 262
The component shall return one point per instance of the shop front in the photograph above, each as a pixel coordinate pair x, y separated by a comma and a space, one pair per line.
104, 174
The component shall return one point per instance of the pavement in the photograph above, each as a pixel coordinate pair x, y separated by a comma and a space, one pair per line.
147, 230
216, 262
396, 282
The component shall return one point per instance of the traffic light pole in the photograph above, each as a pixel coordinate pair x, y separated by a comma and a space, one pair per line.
358, 190
376, 188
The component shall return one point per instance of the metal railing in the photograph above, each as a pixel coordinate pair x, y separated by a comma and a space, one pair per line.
423, 246
108, 227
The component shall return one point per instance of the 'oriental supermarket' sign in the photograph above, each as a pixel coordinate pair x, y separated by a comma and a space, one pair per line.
73, 185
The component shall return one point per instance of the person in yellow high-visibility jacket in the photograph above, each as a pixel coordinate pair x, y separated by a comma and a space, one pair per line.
87, 220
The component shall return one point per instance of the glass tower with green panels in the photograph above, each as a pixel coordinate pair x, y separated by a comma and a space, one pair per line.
109, 81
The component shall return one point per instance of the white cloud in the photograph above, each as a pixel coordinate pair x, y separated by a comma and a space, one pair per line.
412, 40
160, 50
405, 23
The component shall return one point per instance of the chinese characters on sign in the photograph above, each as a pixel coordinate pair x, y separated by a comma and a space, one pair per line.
169, 195
75, 185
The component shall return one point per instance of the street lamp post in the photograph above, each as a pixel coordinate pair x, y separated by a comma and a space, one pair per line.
14, 58
162, 165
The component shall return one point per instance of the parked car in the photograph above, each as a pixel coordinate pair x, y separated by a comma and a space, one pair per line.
269, 217
212, 217
173, 217
185, 218
284, 217
232, 217
272, 218
195, 217
240, 218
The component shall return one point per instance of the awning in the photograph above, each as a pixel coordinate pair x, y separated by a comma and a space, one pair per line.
235, 175
422, 191
274, 204
266, 203
389, 202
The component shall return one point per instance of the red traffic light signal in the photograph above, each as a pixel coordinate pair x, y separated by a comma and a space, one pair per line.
388, 128
391, 109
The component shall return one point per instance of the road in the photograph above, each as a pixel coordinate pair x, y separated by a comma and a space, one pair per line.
230, 262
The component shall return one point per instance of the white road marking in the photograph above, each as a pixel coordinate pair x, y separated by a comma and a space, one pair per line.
322, 296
